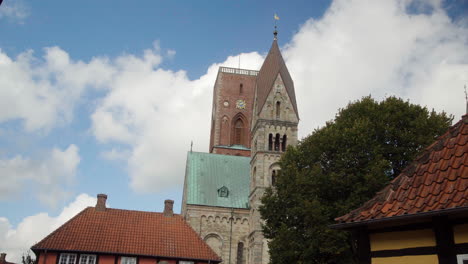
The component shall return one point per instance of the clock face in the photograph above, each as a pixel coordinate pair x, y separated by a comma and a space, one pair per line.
240, 104
226, 104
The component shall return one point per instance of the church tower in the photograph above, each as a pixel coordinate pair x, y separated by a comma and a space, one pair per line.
274, 127
233, 95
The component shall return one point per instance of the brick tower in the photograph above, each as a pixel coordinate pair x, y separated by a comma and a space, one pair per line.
231, 117
274, 127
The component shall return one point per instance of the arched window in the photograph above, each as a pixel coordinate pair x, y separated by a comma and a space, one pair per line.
254, 175
241, 88
273, 178
215, 242
238, 132
277, 142
283, 144
240, 252
270, 142
278, 109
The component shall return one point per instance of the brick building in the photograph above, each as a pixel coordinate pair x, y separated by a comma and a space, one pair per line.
101, 235
254, 118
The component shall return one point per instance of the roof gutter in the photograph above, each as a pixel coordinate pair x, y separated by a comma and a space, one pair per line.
351, 225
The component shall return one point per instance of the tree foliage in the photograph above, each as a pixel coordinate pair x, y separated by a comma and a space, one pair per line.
27, 258
337, 168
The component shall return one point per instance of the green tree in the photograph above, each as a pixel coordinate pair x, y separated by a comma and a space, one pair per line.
27, 258
336, 169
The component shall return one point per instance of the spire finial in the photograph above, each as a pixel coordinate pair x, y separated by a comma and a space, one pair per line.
275, 33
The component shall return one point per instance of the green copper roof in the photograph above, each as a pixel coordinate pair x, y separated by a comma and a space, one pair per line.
233, 147
206, 173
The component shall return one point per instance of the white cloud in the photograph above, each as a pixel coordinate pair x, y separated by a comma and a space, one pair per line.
49, 174
43, 93
375, 47
357, 48
32, 229
14, 10
157, 113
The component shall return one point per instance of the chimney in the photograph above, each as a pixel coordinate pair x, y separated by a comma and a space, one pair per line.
3, 258
101, 202
168, 207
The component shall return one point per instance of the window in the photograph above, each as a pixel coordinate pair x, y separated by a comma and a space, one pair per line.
241, 88
67, 259
128, 260
278, 109
462, 259
270, 142
283, 144
223, 192
277, 142
273, 178
186, 262
238, 129
87, 259
240, 252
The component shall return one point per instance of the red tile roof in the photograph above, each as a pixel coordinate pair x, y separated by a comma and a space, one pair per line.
436, 180
128, 232
266, 77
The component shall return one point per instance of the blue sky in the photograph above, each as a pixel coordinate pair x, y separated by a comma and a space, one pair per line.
106, 96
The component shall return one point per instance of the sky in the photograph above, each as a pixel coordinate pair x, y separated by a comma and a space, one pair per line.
106, 96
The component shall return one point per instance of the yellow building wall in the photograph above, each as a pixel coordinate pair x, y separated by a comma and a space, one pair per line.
402, 239
460, 233
425, 259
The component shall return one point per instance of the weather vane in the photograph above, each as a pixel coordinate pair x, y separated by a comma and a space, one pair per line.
276, 17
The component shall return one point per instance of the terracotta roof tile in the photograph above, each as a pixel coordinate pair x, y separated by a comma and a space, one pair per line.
436, 180
128, 232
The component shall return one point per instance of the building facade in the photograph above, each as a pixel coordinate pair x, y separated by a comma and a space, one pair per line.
101, 235
254, 119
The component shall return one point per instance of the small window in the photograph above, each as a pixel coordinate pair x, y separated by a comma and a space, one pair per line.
273, 178
284, 144
128, 260
240, 252
241, 89
278, 109
270, 142
87, 259
186, 262
277, 142
67, 258
462, 259
238, 132
223, 192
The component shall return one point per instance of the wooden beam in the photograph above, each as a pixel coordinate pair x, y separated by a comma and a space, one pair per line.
445, 244
361, 235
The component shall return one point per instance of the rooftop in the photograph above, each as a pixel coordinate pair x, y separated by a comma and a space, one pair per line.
206, 173
116, 231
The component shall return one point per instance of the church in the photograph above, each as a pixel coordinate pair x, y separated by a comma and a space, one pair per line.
254, 119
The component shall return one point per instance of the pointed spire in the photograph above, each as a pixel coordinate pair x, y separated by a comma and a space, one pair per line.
273, 65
